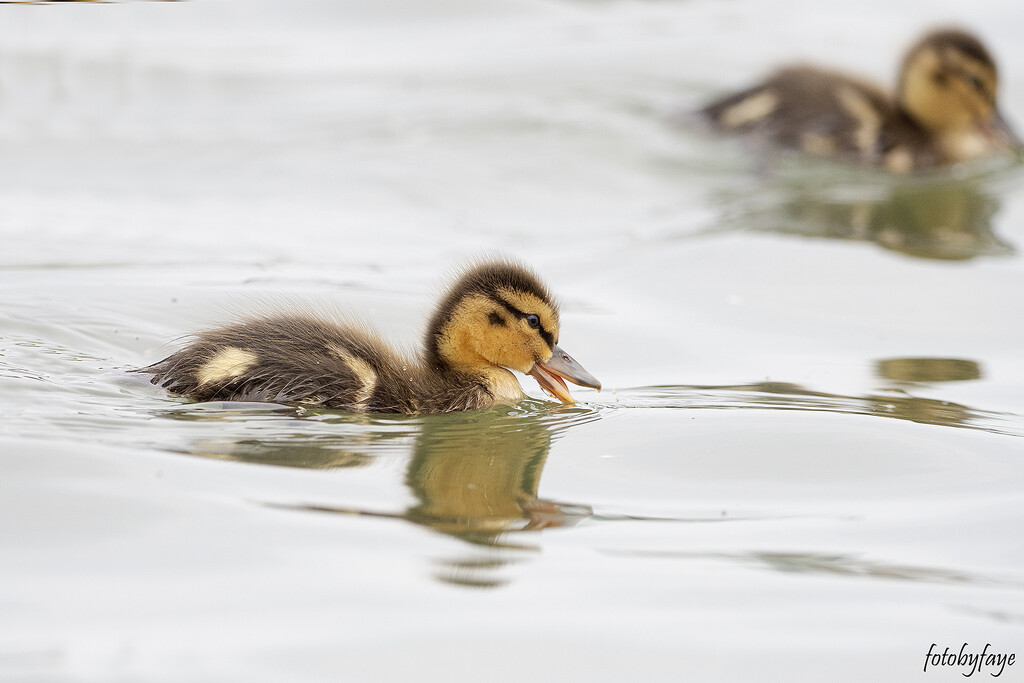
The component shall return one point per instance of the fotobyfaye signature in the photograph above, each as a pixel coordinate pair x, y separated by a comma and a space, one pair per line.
972, 660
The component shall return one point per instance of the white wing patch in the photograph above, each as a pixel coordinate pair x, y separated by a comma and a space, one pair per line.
749, 109
867, 117
227, 364
362, 370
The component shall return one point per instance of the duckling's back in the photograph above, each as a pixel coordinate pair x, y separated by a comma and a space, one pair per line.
291, 359
826, 114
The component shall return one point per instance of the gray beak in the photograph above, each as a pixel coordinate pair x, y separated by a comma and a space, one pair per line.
550, 375
1002, 134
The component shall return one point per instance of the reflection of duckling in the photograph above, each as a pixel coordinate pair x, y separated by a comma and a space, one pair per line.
928, 370
944, 110
949, 219
474, 476
480, 484
496, 316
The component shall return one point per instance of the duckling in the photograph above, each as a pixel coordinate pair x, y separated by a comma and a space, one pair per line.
943, 112
496, 317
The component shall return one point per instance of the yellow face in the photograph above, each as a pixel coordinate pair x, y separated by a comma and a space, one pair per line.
947, 91
510, 329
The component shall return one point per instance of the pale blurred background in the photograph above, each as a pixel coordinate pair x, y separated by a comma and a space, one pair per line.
806, 460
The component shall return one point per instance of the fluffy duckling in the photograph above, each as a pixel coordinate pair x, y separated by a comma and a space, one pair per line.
497, 316
943, 112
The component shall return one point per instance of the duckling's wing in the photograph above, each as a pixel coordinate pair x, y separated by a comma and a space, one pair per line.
290, 359
821, 112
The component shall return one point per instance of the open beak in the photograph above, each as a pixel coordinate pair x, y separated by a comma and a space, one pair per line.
1001, 134
561, 366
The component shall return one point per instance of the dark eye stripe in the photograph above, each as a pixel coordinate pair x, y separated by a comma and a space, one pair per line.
511, 309
548, 338
971, 79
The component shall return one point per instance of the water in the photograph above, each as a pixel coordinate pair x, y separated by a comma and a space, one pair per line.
807, 459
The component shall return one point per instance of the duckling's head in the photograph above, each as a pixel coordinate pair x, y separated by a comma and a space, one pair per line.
948, 84
498, 316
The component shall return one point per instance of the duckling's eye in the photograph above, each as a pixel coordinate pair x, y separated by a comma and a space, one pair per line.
977, 84
533, 321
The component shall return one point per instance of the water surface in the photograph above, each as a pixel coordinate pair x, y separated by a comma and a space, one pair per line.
807, 459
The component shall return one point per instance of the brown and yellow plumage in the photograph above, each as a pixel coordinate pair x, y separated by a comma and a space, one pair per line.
497, 316
944, 110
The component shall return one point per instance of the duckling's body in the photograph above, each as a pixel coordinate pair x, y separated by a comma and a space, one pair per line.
495, 317
943, 112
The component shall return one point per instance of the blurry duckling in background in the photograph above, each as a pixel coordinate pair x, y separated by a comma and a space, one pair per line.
944, 110
497, 316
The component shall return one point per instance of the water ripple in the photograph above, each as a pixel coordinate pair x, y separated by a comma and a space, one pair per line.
837, 564
897, 404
